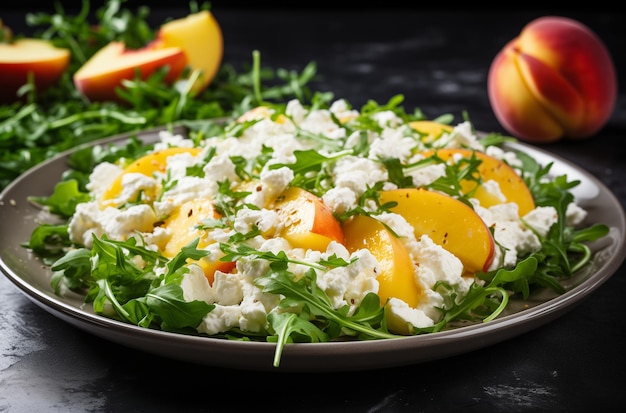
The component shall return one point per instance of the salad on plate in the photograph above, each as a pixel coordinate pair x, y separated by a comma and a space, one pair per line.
312, 223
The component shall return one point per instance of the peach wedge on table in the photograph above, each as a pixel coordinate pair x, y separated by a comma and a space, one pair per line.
199, 35
396, 277
25, 57
100, 77
193, 42
309, 223
450, 223
511, 184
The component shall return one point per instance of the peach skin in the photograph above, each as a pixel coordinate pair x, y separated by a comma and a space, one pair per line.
555, 80
309, 222
193, 42
199, 35
24, 57
105, 71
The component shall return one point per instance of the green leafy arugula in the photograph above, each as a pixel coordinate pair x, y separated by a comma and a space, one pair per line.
45, 124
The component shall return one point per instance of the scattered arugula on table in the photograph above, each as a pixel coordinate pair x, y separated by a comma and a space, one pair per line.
45, 124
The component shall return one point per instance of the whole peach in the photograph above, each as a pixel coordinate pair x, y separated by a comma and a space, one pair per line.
555, 80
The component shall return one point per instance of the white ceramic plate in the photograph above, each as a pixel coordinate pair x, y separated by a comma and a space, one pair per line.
18, 219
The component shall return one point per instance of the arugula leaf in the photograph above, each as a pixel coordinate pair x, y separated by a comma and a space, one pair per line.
49, 241
64, 199
289, 328
304, 292
168, 304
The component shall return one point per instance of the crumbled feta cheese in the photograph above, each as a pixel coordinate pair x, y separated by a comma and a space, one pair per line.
220, 169
392, 144
158, 238
177, 165
102, 177
319, 121
340, 199
493, 188
168, 140
508, 157
273, 182
195, 285
427, 174
117, 224
186, 189
348, 285
574, 215
227, 288
437, 264
512, 237
541, 219
342, 111
464, 136
267, 221
296, 111
387, 118
358, 174
400, 312
134, 185
221, 319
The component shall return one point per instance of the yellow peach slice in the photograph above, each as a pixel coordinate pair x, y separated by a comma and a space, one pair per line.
199, 35
105, 71
183, 224
430, 129
396, 277
448, 222
309, 223
511, 184
147, 165
260, 112
38, 57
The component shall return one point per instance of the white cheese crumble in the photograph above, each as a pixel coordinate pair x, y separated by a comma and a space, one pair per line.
102, 177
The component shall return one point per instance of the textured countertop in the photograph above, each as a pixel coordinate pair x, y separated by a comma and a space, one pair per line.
438, 60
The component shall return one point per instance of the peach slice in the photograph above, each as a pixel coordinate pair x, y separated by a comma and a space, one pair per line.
194, 41
396, 278
200, 37
432, 130
22, 57
259, 113
147, 165
183, 225
511, 183
309, 223
448, 222
104, 72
